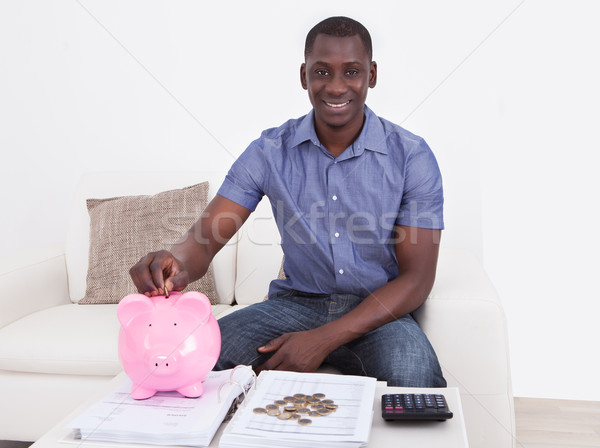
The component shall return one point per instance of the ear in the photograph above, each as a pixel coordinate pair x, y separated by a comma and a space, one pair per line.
373, 74
303, 79
132, 306
195, 303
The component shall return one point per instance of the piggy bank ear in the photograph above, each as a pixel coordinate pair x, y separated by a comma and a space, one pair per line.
132, 306
195, 303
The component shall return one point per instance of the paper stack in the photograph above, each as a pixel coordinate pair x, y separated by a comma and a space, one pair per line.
349, 425
164, 419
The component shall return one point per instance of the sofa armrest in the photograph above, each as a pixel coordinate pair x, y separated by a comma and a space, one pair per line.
464, 320
32, 280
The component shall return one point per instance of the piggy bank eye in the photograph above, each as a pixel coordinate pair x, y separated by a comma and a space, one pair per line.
175, 324
149, 325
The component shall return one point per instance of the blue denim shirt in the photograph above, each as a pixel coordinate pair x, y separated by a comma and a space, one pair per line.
336, 214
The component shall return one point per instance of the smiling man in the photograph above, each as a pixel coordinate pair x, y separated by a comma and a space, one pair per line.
358, 202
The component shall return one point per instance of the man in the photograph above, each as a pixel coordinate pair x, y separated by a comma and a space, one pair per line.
358, 202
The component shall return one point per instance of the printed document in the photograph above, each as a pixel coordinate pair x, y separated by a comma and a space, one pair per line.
349, 425
167, 418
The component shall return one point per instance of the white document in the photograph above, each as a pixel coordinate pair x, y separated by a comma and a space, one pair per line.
164, 419
350, 425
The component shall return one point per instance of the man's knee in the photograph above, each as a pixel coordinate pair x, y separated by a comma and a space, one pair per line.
421, 374
401, 354
414, 365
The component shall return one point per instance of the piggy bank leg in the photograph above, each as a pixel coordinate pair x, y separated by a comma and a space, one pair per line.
193, 391
141, 393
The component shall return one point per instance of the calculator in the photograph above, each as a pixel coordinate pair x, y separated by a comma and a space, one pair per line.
414, 407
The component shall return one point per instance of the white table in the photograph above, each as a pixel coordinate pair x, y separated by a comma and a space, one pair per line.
448, 434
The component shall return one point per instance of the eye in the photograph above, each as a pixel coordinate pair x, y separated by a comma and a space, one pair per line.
352, 72
322, 72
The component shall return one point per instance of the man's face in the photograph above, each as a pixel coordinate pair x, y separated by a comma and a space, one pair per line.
337, 74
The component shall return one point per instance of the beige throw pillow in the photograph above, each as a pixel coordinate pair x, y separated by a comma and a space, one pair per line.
124, 229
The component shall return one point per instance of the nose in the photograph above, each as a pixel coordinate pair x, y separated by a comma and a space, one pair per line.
163, 364
337, 86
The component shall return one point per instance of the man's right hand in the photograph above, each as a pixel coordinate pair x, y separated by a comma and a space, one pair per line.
156, 269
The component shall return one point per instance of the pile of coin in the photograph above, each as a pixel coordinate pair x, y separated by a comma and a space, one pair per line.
299, 407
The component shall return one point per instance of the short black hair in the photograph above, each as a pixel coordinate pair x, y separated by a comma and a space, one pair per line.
339, 27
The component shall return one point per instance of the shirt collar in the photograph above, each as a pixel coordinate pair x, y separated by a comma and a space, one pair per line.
371, 137
305, 130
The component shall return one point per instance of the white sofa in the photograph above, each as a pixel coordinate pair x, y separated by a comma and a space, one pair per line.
55, 353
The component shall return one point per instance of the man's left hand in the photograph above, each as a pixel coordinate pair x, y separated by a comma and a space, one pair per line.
302, 351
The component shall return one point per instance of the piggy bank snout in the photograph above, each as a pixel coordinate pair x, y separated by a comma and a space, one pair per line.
163, 364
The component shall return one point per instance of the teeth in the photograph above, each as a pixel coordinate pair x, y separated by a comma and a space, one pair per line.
336, 105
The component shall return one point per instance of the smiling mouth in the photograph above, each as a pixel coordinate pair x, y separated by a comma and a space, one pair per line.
337, 105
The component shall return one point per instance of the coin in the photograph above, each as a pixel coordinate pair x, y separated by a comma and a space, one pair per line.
299, 403
299, 396
331, 407
288, 399
295, 417
284, 416
312, 400
304, 421
260, 410
280, 402
318, 396
274, 412
327, 401
272, 407
302, 411
317, 406
314, 414
323, 412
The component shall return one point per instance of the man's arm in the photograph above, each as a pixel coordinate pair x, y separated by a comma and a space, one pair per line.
417, 252
190, 257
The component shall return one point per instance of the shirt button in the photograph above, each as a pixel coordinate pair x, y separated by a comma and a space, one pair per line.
341, 271
336, 234
334, 197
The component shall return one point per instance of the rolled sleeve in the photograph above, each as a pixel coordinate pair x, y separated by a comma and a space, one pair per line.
244, 183
423, 201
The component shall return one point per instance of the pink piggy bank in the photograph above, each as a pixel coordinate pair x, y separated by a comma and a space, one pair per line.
167, 343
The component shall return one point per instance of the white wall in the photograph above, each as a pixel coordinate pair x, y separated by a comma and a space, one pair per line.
506, 94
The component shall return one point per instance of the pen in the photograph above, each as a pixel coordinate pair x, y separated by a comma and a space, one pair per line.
166, 291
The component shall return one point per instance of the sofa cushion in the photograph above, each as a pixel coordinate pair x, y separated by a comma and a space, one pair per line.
124, 229
259, 256
66, 339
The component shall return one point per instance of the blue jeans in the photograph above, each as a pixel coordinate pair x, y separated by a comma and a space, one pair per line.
397, 352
